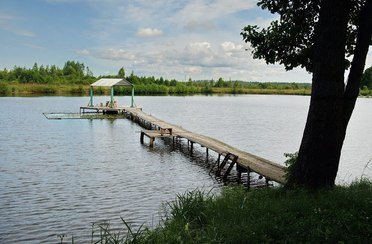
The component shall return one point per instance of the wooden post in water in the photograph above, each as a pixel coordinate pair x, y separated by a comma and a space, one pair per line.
248, 178
142, 135
267, 181
152, 139
239, 171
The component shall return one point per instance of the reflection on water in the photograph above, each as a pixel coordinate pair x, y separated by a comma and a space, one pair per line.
59, 176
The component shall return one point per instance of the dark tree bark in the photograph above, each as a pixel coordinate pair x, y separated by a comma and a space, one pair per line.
317, 35
331, 104
320, 149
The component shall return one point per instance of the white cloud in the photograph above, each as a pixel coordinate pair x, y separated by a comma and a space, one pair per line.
197, 9
208, 11
231, 47
22, 32
33, 46
198, 47
200, 25
197, 59
148, 32
202, 39
8, 23
84, 52
108, 54
116, 54
197, 54
193, 70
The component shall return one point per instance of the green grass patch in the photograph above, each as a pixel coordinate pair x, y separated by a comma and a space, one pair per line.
339, 215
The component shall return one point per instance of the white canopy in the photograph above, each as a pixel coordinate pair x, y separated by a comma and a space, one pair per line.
110, 82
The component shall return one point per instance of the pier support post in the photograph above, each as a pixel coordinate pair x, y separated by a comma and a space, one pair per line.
207, 153
267, 181
142, 135
248, 178
152, 139
218, 160
191, 147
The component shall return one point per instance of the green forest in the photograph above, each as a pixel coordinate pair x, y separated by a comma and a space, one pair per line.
74, 78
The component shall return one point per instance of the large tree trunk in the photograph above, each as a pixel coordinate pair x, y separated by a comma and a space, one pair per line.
331, 105
320, 149
357, 66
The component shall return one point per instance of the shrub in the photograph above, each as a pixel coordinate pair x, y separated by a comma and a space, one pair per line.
4, 89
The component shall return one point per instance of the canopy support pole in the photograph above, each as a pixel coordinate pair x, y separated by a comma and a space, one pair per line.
132, 102
112, 97
91, 97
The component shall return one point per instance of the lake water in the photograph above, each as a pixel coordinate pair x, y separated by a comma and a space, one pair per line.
59, 176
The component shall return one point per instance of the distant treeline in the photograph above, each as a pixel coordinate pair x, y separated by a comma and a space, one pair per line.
75, 78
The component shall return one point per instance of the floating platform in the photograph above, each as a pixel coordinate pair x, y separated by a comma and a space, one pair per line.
83, 116
101, 109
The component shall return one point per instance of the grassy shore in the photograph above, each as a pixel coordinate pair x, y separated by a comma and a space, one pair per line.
17, 89
32, 89
339, 215
20, 89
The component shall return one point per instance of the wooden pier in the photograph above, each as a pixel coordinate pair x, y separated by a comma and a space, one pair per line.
244, 161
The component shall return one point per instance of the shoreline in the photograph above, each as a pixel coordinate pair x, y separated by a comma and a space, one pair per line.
72, 90
16, 89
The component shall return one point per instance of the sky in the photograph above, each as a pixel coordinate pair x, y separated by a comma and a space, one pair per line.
181, 39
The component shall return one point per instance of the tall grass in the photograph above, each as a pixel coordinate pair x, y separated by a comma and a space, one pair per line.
339, 215
266, 215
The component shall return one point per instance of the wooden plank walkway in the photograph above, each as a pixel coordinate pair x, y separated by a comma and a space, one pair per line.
250, 162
